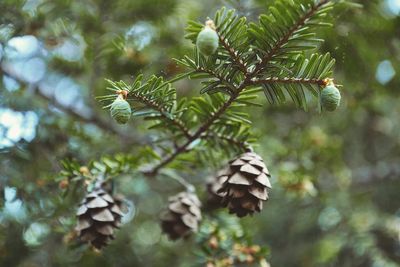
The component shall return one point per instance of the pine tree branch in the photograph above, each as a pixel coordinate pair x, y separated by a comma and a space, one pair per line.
241, 144
370, 175
183, 148
279, 44
152, 104
246, 82
217, 76
287, 80
234, 55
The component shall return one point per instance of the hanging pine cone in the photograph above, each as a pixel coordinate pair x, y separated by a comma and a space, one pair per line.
245, 184
182, 216
330, 98
213, 185
121, 110
99, 214
207, 40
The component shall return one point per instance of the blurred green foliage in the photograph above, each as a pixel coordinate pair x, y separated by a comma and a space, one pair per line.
335, 198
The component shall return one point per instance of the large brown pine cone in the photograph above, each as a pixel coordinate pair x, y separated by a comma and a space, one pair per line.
244, 184
182, 216
99, 214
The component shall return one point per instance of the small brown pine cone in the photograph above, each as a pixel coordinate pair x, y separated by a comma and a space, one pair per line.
245, 184
99, 214
182, 216
213, 185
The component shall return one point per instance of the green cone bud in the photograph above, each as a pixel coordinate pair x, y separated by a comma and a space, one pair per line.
330, 98
121, 110
207, 41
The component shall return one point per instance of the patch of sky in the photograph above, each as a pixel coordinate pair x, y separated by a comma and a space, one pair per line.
391, 7
385, 72
13, 206
22, 47
10, 84
139, 35
35, 233
71, 49
15, 126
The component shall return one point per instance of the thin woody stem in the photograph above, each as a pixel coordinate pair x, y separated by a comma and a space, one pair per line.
232, 53
179, 124
287, 80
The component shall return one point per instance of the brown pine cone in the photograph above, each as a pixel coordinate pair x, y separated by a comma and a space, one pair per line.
214, 184
244, 184
182, 216
99, 215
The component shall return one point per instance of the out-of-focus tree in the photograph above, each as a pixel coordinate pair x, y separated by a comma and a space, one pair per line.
335, 176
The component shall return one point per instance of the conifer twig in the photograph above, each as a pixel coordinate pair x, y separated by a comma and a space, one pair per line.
245, 83
278, 45
242, 145
288, 80
232, 53
152, 104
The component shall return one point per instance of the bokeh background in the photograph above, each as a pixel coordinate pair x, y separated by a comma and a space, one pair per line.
336, 176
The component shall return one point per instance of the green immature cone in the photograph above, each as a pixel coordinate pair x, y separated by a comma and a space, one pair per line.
207, 41
121, 110
330, 98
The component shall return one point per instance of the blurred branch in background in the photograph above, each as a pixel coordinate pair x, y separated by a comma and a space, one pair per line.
85, 116
370, 175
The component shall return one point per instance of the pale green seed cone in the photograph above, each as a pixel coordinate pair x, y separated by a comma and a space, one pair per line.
207, 41
330, 98
121, 110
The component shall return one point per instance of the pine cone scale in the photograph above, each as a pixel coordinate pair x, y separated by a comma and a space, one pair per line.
263, 180
259, 192
178, 207
236, 192
107, 198
251, 170
97, 203
102, 215
105, 229
238, 162
82, 210
190, 221
83, 223
116, 210
238, 179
